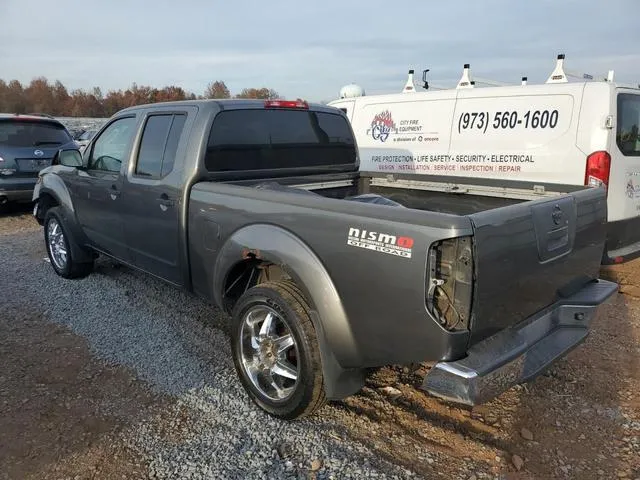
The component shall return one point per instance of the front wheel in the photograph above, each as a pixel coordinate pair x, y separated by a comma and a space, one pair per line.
275, 350
58, 241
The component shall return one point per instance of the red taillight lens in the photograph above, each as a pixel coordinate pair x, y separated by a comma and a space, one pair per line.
598, 168
286, 104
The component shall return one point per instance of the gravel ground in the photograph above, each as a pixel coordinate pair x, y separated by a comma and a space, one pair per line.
175, 343
580, 420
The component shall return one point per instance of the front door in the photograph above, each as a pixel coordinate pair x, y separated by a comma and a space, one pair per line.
152, 188
97, 190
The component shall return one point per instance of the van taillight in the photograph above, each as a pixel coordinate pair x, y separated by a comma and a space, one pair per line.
598, 168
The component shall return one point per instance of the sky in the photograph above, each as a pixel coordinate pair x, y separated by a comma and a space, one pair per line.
311, 49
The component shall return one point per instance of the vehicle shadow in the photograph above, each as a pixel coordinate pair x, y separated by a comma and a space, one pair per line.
14, 209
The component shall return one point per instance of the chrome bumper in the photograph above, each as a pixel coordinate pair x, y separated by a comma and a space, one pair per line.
521, 352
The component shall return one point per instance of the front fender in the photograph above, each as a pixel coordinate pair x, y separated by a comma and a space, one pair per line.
339, 350
51, 184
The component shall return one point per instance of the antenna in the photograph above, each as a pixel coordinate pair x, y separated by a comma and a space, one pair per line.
465, 80
524, 80
558, 75
409, 86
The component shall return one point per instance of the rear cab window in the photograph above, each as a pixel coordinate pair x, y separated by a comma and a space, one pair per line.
628, 124
266, 139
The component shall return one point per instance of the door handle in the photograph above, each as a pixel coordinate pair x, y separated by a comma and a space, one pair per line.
114, 192
165, 202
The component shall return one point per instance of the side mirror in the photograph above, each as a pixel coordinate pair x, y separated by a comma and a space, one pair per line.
68, 158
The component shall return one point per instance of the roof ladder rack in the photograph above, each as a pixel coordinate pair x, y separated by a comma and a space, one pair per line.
465, 80
560, 75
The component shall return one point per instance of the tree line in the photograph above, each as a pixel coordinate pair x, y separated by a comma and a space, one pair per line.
43, 96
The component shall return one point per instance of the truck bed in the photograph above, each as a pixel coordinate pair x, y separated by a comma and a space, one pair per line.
523, 260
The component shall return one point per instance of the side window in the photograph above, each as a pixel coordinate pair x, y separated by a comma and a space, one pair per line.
110, 149
159, 145
627, 135
175, 132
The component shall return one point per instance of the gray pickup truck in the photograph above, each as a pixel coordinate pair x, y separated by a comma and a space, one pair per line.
260, 208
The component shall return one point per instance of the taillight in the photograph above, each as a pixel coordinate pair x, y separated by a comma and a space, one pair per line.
286, 104
598, 169
450, 282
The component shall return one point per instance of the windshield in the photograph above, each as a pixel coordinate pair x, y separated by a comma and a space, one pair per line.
21, 133
628, 124
274, 139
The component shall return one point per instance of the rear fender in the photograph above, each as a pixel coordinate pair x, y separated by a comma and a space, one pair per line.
278, 246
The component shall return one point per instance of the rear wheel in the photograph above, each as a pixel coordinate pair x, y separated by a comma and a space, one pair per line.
59, 241
275, 350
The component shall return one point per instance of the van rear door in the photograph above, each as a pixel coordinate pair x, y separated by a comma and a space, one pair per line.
624, 178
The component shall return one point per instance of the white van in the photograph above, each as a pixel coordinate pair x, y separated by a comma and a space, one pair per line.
501, 143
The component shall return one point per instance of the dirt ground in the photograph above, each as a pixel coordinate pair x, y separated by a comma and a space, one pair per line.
581, 419
62, 411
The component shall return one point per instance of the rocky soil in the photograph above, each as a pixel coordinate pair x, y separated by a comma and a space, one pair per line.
121, 376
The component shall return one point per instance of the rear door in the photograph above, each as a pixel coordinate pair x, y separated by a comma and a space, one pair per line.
530, 254
624, 184
152, 188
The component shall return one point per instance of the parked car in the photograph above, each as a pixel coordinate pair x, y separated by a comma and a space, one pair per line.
27, 145
82, 140
260, 208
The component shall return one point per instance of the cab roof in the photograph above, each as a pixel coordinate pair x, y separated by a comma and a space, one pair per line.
225, 104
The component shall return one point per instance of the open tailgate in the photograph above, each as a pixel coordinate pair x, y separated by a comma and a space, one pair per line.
530, 255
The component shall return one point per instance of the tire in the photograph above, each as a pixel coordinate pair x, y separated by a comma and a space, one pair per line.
285, 302
58, 239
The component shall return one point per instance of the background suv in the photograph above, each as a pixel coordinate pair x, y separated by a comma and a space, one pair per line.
27, 145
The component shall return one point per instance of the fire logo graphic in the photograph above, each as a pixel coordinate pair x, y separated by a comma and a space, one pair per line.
382, 125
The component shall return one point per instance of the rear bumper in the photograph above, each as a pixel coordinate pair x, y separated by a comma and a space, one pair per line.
623, 241
519, 353
17, 189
